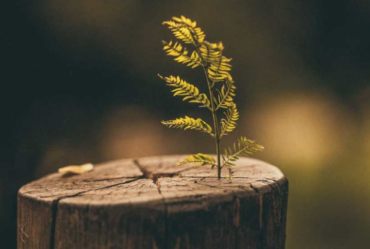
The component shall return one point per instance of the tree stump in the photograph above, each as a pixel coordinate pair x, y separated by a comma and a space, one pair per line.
151, 203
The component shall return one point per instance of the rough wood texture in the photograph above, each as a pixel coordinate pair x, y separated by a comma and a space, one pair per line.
150, 203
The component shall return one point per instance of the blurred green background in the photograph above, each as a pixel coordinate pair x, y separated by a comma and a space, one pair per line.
79, 84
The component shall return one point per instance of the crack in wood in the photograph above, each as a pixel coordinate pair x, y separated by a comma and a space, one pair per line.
149, 175
55, 203
155, 177
104, 179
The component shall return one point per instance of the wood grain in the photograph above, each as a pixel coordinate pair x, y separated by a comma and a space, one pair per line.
151, 203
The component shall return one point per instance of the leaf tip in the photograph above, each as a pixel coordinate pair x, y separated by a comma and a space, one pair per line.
221, 46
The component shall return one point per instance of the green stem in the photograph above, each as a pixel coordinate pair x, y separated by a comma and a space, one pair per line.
215, 122
214, 116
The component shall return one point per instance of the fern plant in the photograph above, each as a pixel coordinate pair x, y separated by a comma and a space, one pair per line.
221, 92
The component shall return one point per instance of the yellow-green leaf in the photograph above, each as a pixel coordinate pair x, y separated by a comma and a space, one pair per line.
189, 123
229, 124
189, 91
198, 159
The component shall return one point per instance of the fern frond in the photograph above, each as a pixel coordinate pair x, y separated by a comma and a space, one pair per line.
219, 66
229, 124
183, 88
210, 52
198, 159
219, 70
181, 31
226, 96
244, 147
182, 54
185, 30
189, 123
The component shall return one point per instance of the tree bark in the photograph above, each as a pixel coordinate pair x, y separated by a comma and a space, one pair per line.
150, 203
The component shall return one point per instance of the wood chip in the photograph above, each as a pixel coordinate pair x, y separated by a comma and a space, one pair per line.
77, 169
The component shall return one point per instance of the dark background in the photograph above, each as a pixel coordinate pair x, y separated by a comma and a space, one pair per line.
78, 84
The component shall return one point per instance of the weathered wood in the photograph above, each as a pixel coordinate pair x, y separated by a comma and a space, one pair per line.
150, 203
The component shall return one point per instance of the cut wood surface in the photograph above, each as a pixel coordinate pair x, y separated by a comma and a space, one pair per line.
151, 203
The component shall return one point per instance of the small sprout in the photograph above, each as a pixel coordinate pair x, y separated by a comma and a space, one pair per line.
76, 169
221, 93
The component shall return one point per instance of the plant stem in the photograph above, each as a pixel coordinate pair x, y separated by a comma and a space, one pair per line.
215, 122
213, 111
217, 133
